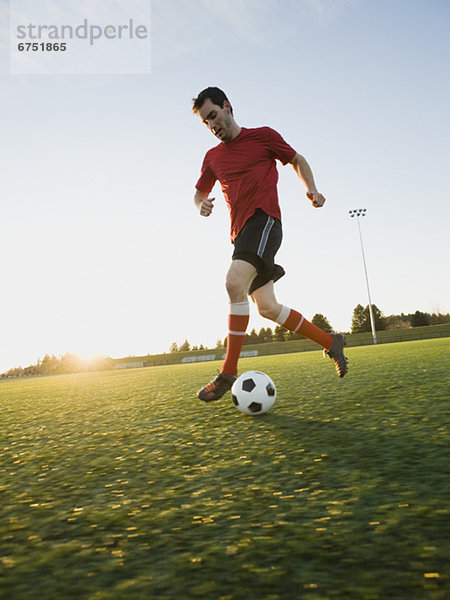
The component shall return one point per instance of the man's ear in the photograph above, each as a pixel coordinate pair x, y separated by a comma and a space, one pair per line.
227, 106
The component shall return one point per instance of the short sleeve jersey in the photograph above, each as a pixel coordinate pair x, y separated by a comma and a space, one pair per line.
247, 172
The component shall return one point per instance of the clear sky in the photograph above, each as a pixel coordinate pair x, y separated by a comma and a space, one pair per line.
101, 249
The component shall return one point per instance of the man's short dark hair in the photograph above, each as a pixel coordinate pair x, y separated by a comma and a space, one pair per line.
214, 94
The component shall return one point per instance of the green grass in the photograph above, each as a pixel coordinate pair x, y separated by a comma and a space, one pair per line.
121, 485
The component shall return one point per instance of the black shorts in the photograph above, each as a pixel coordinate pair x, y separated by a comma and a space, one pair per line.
257, 243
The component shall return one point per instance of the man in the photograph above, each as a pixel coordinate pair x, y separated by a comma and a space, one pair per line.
244, 164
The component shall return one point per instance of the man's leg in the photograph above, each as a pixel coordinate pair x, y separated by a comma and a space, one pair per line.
239, 278
270, 308
238, 281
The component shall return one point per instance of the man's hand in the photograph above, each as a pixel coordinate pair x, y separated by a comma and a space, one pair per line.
304, 173
206, 206
317, 200
203, 203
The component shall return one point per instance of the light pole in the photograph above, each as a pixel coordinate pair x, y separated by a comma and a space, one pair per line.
361, 212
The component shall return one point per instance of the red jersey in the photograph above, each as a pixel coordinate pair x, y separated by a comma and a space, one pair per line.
247, 172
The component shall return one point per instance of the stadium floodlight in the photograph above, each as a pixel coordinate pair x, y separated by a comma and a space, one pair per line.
361, 212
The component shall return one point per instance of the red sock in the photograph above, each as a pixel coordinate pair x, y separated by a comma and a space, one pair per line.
237, 326
293, 321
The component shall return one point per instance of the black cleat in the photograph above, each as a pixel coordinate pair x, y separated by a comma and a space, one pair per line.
216, 388
336, 353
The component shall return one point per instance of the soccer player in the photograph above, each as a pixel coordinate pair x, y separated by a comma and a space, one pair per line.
244, 164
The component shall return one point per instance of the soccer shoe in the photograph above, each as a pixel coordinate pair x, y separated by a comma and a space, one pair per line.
216, 388
336, 353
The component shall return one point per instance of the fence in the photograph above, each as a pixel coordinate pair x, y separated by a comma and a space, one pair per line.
302, 345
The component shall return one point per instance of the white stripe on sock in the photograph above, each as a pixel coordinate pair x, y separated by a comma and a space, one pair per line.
240, 308
283, 316
299, 325
236, 333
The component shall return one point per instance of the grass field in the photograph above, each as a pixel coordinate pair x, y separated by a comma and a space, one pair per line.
121, 485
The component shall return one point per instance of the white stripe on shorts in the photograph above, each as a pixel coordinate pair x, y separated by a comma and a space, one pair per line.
265, 236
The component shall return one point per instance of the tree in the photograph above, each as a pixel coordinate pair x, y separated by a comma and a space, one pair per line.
49, 364
291, 335
420, 319
70, 363
379, 318
185, 347
261, 335
398, 322
361, 319
279, 334
437, 318
359, 323
265, 335
269, 336
173, 347
253, 337
322, 322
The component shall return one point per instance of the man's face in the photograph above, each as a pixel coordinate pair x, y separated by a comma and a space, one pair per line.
218, 120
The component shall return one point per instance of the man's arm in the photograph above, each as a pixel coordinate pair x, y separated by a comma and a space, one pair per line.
304, 173
203, 204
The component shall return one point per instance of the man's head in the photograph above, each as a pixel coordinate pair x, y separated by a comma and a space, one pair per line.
214, 94
214, 109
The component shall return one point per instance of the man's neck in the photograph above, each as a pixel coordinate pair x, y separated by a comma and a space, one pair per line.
236, 130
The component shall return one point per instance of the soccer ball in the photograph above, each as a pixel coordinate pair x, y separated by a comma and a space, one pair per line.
253, 393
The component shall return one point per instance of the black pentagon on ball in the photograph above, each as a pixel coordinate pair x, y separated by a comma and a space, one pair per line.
255, 407
235, 400
248, 385
270, 389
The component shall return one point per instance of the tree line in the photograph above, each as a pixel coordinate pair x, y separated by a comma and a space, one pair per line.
361, 319
264, 336
360, 324
68, 363
72, 363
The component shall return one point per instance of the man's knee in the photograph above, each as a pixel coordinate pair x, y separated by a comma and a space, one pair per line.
236, 288
238, 281
269, 310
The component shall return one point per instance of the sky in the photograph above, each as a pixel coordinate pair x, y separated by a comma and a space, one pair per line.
101, 248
